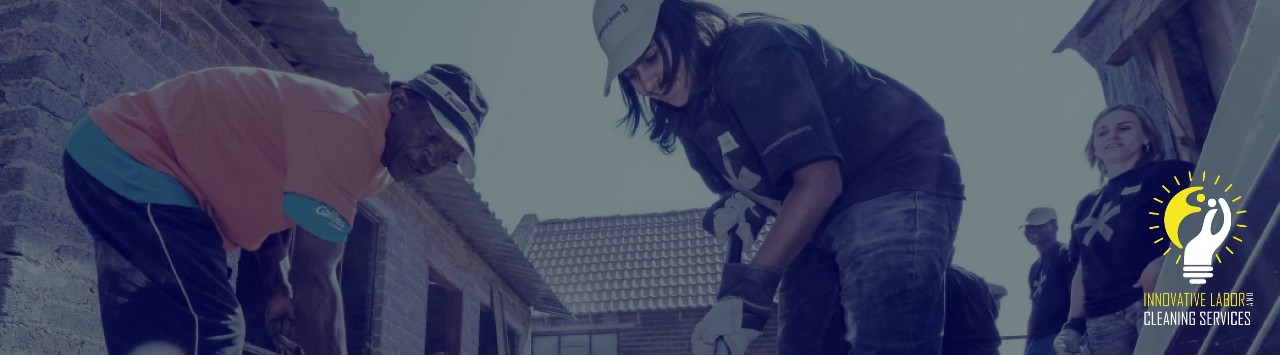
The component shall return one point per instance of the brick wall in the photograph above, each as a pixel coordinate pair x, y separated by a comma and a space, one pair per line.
58, 58
418, 239
651, 332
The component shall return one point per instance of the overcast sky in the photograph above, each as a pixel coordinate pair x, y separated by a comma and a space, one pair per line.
1017, 115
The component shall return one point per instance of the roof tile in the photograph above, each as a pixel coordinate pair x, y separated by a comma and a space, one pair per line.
629, 262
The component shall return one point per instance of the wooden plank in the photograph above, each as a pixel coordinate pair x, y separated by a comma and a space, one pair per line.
1171, 90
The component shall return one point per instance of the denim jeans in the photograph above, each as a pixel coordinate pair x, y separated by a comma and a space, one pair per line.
1115, 333
162, 273
872, 279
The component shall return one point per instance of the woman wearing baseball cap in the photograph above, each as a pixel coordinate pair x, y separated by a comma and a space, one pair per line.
854, 166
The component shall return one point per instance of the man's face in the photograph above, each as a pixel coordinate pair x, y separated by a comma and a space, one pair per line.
416, 144
1039, 234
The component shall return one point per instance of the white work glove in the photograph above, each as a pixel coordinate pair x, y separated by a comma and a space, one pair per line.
734, 216
724, 321
1068, 343
746, 302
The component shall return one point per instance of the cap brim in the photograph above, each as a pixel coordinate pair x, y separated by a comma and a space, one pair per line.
466, 160
628, 50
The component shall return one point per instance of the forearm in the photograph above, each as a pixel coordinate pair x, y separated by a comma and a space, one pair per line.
816, 187
273, 265
1077, 294
320, 327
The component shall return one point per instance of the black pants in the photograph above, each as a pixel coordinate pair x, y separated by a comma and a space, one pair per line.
162, 273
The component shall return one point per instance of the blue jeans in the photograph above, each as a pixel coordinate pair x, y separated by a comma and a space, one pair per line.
1041, 346
872, 279
1115, 333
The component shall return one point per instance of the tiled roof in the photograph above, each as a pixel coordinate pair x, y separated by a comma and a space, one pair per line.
629, 262
309, 35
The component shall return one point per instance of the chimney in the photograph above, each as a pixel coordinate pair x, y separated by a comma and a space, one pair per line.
523, 235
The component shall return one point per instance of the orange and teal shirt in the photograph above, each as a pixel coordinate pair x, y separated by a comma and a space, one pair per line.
259, 151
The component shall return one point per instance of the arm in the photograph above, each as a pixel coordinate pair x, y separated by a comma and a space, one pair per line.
1068, 341
271, 260
997, 291
1150, 275
274, 267
816, 187
320, 326
1077, 294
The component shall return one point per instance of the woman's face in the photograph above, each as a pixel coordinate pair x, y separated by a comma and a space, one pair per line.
647, 72
1118, 140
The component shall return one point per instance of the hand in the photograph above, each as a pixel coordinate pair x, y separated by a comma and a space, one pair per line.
723, 321
745, 305
1200, 250
280, 324
1068, 343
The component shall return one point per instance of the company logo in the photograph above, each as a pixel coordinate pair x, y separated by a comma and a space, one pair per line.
335, 220
1215, 206
457, 104
1197, 218
609, 22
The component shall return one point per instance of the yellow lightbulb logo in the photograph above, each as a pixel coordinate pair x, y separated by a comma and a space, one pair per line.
1201, 248
1178, 210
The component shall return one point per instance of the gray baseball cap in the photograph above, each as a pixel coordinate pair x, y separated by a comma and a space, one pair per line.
624, 29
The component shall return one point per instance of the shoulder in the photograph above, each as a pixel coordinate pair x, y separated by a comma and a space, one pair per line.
1063, 252
1169, 167
962, 275
757, 33
1087, 201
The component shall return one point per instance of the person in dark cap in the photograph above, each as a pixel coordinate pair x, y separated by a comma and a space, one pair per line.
169, 180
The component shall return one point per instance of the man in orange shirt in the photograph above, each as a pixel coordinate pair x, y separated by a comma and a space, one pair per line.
169, 179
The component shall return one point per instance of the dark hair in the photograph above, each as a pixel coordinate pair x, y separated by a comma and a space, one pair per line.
689, 27
1153, 151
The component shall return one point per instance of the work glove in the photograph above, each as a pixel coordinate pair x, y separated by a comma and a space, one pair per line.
1069, 341
744, 306
735, 216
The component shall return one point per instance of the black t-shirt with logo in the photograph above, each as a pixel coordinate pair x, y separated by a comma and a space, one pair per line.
1050, 282
779, 96
1112, 235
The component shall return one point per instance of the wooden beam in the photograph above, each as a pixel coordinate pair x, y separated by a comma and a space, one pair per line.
1143, 18
1166, 73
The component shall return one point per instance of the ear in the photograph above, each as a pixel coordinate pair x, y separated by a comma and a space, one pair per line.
399, 96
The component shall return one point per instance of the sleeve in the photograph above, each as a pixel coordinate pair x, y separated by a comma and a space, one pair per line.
770, 91
327, 168
1067, 265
